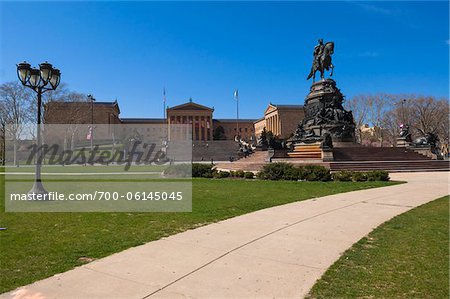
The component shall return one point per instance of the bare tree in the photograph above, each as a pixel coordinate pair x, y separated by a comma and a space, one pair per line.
370, 109
429, 114
360, 109
15, 101
72, 121
385, 112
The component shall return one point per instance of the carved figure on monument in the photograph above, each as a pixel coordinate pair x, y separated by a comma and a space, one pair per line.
429, 139
327, 141
404, 133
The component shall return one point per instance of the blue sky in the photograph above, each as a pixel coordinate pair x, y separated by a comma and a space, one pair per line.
204, 50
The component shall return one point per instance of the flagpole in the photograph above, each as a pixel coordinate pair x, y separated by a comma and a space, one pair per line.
237, 115
236, 93
164, 103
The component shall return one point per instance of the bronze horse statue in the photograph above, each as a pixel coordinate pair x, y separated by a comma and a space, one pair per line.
323, 62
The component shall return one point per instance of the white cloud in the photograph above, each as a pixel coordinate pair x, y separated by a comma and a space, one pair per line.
374, 8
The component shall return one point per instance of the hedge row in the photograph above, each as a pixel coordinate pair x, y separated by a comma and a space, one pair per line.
233, 174
277, 171
361, 176
197, 170
287, 171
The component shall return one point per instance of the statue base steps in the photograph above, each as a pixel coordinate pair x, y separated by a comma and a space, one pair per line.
401, 142
312, 151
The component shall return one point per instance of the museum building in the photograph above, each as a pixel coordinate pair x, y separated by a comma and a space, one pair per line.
281, 120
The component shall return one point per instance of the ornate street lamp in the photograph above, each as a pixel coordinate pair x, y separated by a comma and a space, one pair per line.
39, 80
91, 129
403, 111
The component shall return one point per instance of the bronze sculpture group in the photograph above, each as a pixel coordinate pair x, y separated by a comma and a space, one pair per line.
325, 117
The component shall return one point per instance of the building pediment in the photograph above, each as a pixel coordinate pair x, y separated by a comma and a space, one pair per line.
270, 109
191, 106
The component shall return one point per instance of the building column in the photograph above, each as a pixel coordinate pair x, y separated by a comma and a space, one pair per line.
200, 130
195, 129
273, 125
210, 128
191, 125
280, 132
204, 129
276, 124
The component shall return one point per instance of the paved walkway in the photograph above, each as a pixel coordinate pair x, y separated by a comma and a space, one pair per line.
277, 252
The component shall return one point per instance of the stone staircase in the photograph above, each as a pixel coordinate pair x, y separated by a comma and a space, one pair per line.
255, 157
254, 162
376, 154
218, 150
306, 151
392, 166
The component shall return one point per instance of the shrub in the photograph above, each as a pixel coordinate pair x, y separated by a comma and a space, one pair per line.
232, 173
202, 170
359, 176
315, 173
293, 174
342, 176
287, 171
221, 174
378, 175
178, 170
239, 173
276, 171
249, 175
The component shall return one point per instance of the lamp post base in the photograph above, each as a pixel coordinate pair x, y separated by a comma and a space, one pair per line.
38, 191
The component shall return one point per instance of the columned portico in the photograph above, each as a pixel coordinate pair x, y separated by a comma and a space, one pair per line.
199, 117
281, 120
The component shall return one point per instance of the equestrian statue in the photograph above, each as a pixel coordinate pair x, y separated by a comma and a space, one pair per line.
322, 59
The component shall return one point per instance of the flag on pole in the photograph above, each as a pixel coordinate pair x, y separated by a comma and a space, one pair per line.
236, 94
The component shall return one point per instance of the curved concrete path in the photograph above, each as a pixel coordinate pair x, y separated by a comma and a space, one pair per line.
273, 253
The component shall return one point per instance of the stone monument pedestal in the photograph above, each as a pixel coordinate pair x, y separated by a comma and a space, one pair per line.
401, 142
326, 123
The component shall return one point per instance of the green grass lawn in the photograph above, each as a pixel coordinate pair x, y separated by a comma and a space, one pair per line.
86, 169
406, 257
38, 245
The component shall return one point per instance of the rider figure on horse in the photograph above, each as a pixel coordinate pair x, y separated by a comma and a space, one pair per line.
318, 51
322, 59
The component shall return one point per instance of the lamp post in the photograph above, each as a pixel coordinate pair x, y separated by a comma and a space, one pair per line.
403, 111
91, 131
39, 80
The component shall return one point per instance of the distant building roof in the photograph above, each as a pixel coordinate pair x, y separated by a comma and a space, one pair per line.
287, 106
67, 103
233, 120
190, 106
259, 119
143, 120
